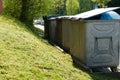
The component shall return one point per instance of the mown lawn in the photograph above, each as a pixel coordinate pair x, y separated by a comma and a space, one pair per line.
23, 56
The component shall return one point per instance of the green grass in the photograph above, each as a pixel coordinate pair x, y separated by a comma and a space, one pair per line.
23, 56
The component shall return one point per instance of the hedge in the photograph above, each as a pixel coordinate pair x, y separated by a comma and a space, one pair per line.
12, 8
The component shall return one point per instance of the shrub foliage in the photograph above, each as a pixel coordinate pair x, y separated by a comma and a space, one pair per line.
12, 7
27, 10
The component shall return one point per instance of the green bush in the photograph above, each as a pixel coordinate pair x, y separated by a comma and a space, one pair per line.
27, 10
35, 8
72, 7
12, 8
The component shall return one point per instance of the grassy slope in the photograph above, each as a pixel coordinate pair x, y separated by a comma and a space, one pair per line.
25, 57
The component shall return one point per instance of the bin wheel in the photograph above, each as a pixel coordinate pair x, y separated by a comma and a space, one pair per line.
114, 69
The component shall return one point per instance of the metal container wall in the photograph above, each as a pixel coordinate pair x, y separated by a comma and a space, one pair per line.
95, 43
66, 24
50, 24
52, 30
46, 26
78, 40
58, 32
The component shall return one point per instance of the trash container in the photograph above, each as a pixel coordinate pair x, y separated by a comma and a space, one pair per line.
63, 32
50, 24
66, 24
55, 27
52, 29
94, 43
46, 26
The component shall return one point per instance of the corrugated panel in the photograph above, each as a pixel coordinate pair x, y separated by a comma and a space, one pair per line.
94, 12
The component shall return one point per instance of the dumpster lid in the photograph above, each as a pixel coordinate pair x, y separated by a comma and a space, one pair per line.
65, 17
93, 13
60, 17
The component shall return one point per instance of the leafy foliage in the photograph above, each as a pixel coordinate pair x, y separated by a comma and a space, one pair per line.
85, 5
12, 7
59, 7
72, 6
101, 3
115, 3
35, 8
27, 10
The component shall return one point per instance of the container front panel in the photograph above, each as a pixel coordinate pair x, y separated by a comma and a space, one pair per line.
58, 31
78, 41
52, 29
66, 24
102, 44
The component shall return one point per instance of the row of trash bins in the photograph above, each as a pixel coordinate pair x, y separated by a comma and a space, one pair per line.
92, 38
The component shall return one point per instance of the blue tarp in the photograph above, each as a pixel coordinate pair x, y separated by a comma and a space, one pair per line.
110, 15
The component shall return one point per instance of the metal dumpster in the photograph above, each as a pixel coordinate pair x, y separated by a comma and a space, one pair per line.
62, 32
46, 26
58, 36
95, 43
56, 31
66, 24
63, 24
52, 30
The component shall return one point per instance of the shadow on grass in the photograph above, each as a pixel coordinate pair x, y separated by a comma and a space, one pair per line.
97, 75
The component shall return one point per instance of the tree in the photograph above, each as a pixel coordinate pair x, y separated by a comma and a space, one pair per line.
27, 10
32, 9
85, 5
101, 3
59, 7
12, 7
115, 3
72, 6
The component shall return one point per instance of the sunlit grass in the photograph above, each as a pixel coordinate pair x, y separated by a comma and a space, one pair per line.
23, 56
